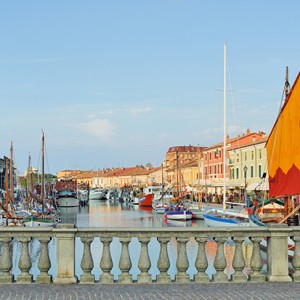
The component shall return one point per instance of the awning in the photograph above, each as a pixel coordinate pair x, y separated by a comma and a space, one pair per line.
261, 186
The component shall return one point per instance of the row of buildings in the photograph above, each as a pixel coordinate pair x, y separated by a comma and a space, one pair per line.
192, 167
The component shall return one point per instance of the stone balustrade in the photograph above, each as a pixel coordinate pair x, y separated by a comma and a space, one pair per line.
196, 255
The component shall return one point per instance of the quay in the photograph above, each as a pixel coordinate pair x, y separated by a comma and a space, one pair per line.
240, 269
216, 291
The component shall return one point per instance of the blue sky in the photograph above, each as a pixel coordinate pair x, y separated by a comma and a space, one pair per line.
116, 83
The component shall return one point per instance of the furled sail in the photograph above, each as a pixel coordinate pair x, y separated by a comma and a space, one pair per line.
283, 147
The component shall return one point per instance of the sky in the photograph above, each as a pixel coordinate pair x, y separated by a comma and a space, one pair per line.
115, 83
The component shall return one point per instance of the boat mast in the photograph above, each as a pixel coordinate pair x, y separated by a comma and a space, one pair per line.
43, 174
6, 190
11, 168
287, 84
177, 174
225, 135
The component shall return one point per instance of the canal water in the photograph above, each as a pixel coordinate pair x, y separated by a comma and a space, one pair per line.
115, 214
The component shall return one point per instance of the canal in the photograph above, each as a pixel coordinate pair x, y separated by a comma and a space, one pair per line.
120, 215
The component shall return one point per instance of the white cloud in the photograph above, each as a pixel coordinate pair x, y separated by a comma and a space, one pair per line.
102, 129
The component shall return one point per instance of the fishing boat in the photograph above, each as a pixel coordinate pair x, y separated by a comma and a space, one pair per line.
283, 165
215, 217
146, 201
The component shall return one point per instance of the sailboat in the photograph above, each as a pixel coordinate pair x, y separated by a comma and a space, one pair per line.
216, 217
46, 219
283, 163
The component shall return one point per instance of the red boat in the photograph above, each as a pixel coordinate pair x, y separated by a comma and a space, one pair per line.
146, 201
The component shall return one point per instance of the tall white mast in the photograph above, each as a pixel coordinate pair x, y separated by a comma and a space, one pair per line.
225, 135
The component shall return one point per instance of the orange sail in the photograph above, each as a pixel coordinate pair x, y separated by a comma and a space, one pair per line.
283, 148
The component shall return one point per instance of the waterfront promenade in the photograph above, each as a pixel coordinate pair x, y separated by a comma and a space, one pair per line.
174, 291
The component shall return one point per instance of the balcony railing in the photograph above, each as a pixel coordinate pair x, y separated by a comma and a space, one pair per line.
67, 254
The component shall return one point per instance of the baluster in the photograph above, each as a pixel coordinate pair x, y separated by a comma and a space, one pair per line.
220, 262
296, 259
201, 261
106, 263
125, 262
44, 263
24, 262
87, 261
144, 262
238, 261
182, 262
6, 261
256, 261
163, 263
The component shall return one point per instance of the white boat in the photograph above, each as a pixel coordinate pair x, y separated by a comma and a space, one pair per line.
33, 221
67, 199
177, 213
216, 217
97, 194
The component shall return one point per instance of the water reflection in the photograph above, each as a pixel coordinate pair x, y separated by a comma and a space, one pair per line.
116, 214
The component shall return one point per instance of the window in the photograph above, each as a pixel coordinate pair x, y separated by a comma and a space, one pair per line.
259, 171
237, 173
251, 171
245, 156
259, 154
237, 158
209, 155
252, 155
232, 174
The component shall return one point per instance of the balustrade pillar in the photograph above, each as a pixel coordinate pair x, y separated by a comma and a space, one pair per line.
296, 259
220, 262
256, 261
87, 261
24, 262
65, 253
182, 262
106, 263
125, 262
201, 261
278, 264
6, 261
238, 261
44, 263
144, 262
163, 263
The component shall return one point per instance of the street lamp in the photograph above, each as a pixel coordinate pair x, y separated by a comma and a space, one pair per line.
245, 176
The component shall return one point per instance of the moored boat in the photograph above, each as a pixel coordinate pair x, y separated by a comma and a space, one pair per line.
67, 198
177, 213
146, 201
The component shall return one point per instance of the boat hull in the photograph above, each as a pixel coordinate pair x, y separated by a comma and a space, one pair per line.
68, 202
39, 222
146, 201
215, 218
178, 215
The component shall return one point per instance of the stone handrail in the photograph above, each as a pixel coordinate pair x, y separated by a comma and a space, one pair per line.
233, 254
